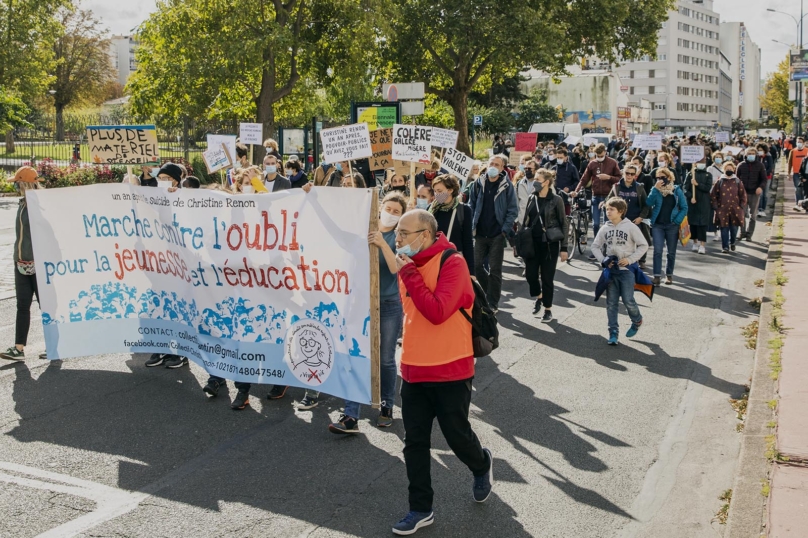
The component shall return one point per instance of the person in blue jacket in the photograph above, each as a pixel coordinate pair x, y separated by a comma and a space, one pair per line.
668, 206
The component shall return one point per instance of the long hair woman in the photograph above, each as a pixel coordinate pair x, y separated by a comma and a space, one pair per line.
454, 217
668, 209
24, 273
544, 213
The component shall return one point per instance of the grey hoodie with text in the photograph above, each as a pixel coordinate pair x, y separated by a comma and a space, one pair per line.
625, 240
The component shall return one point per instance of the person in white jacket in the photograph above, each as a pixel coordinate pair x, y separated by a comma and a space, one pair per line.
623, 239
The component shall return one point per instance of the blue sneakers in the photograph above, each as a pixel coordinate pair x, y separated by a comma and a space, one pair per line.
612, 338
635, 327
412, 522
483, 484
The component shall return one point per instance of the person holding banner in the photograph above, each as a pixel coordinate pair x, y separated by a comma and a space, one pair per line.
437, 362
242, 161
454, 217
273, 181
396, 183
25, 284
390, 321
322, 174
297, 177
697, 190
425, 177
148, 176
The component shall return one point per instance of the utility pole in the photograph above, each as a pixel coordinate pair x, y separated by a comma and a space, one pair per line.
799, 88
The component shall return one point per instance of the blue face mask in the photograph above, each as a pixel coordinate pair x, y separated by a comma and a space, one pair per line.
750, 158
521, 167
718, 160
338, 167
421, 203
492, 172
271, 169
154, 173
407, 250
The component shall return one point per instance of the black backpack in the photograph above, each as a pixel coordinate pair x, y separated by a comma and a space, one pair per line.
484, 332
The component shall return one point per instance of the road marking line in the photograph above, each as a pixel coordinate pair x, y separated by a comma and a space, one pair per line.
110, 502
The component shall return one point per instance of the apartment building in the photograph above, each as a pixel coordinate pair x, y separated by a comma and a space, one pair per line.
683, 81
122, 55
744, 55
725, 88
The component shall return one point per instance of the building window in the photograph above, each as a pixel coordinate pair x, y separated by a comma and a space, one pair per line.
659, 106
663, 57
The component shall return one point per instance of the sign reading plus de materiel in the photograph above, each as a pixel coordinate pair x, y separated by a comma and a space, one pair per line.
259, 288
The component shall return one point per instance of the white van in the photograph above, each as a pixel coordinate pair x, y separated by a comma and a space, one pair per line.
555, 132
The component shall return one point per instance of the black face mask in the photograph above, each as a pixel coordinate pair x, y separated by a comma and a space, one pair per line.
399, 188
729, 173
529, 173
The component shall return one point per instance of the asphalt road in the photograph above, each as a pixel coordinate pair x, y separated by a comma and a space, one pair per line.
588, 440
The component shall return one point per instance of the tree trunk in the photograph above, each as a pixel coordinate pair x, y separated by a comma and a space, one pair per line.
60, 123
460, 103
266, 117
10, 142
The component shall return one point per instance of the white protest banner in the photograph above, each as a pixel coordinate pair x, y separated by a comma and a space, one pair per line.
123, 144
412, 143
658, 133
229, 141
589, 140
443, 138
217, 159
648, 142
260, 288
691, 154
722, 136
346, 143
572, 140
693, 133
251, 133
457, 163
732, 150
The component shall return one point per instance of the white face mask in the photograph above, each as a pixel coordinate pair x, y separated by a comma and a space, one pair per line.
560, 160
601, 159
247, 189
388, 220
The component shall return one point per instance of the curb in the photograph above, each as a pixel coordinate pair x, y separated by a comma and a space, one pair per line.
747, 510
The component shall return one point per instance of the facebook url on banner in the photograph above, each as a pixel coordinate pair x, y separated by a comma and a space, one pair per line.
217, 349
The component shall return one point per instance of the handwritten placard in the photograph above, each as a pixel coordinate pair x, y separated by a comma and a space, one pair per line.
251, 133
346, 143
217, 159
123, 144
381, 142
457, 163
525, 142
691, 154
444, 138
412, 143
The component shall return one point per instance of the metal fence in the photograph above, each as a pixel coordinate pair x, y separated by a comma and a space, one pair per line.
185, 139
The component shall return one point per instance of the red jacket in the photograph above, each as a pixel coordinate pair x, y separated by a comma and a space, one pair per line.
454, 290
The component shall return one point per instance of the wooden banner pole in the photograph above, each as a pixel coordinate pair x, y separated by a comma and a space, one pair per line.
412, 181
375, 322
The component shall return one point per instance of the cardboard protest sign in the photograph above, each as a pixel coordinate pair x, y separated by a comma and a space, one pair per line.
457, 163
261, 288
346, 143
444, 138
691, 154
589, 140
516, 156
251, 133
215, 140
381, 142
412, 143
572, 140
402, 168
525, 142
123, 144
722, 137
217, 159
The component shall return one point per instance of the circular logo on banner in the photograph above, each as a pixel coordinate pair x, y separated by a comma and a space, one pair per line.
310, 351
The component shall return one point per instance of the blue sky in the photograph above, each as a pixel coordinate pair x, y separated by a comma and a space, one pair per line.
122, 16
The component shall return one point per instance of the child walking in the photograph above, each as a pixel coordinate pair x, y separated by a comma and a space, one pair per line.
620, 244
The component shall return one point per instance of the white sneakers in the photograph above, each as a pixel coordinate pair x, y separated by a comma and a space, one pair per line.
702, 250
695, 246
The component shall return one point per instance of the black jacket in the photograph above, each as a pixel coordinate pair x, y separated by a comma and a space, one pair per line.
752, 175
553, 217
566, 176
462, 236
698, 214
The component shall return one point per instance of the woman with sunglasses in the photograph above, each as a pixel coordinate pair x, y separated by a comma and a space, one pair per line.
668, 207
634, 194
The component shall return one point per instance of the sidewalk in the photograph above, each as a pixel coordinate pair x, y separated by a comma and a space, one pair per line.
788, 500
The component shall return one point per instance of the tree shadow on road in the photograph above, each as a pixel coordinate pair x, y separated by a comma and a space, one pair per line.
181, 447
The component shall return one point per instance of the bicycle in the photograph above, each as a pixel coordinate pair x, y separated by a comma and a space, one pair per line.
579, 224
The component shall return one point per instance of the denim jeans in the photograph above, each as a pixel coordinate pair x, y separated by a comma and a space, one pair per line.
621, 286
492, 248
799, 195
665, 234
751, 212
391, 317
763, 198
728, 235
597, 212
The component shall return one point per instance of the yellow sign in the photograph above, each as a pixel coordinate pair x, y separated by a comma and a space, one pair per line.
123, 144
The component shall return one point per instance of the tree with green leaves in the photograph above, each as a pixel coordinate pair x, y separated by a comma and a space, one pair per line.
83, 67
27, 32
535, 109
225, 58
775, 96
453, 45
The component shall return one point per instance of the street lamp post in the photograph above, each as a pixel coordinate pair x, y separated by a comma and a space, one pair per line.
799, 24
